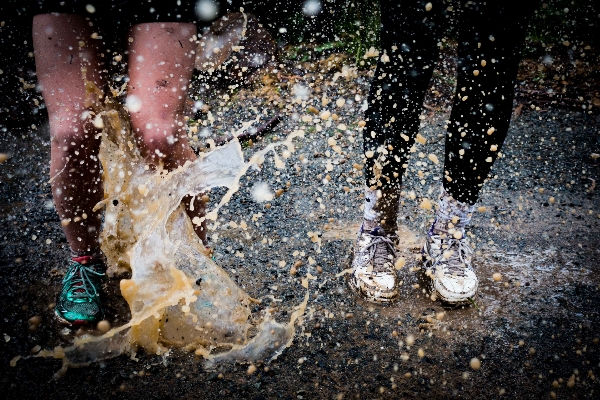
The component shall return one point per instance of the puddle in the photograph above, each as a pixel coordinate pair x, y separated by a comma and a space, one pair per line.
177, 295
349, 231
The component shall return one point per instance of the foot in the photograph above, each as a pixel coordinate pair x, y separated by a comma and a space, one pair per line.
447, 270
373, 275
79, 302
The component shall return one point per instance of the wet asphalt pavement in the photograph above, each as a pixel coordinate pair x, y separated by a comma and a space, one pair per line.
535, 332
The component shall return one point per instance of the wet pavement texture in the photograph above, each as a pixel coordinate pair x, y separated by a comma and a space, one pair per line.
535, 332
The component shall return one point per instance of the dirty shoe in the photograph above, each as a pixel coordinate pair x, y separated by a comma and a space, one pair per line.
79, 302
447, 270
373, 276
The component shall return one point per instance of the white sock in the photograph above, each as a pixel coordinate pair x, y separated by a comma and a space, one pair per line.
370, 203
381, 209
451, 213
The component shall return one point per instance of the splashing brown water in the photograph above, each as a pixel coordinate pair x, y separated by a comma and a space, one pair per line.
177, 295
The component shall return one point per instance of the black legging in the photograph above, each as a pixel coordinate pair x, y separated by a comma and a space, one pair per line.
489, 48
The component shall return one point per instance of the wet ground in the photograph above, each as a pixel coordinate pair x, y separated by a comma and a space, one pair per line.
535, 332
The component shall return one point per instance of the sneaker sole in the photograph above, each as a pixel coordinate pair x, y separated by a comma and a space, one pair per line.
71, 324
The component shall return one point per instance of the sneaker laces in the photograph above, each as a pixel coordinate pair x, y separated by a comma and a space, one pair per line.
80, 278
379, 249
455, 263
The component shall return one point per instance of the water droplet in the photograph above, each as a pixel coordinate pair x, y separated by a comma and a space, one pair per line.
311, 7
207, 10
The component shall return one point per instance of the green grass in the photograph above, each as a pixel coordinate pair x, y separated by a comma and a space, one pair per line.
355, 26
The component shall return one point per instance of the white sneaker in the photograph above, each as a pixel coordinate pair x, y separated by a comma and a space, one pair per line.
447, 269
373, 275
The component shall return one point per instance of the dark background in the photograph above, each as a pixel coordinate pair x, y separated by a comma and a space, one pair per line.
346, 25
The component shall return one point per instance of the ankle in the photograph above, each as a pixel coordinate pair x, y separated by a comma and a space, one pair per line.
86, 257
451, 216
94, 252
369, 225
381, 209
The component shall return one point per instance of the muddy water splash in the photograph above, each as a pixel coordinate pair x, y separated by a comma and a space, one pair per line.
177, 295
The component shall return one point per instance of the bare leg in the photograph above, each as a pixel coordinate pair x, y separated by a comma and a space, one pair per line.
62, 47
160, 68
